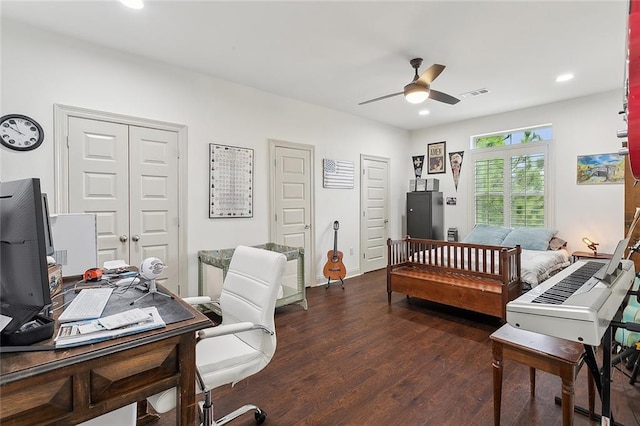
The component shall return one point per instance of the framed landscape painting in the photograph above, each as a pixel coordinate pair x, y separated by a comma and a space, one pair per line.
600, 169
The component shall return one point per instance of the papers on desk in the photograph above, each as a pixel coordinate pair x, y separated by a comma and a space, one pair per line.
4, 321
123, 324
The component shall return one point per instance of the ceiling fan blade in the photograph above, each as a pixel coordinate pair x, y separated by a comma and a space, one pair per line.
431, 74
381, 98
442, 97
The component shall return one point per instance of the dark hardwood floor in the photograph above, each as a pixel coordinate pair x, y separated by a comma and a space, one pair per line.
352, 359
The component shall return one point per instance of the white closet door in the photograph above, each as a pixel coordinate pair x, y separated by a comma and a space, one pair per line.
128, 177
154, 199
99, 181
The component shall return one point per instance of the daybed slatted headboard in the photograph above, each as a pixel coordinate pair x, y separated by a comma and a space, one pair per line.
471, 259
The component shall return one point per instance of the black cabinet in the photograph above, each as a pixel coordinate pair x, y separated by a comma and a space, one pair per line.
425, 215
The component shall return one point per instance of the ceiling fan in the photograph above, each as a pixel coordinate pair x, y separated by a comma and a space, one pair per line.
420, 88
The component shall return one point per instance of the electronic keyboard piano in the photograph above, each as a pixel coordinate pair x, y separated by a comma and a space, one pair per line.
564, 307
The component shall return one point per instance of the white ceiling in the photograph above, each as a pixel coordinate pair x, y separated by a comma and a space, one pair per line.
337, 54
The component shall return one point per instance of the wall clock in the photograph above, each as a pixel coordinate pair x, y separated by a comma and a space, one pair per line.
20, 132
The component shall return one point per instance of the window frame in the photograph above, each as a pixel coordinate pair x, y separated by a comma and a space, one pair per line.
506, 152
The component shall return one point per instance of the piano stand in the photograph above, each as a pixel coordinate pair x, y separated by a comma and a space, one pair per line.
602, 377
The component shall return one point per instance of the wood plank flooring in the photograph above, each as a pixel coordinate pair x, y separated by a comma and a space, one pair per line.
352, 359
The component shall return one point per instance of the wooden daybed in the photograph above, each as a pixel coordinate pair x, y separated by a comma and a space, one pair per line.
480, 278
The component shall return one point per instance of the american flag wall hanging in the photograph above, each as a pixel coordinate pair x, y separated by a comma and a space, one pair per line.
337, 173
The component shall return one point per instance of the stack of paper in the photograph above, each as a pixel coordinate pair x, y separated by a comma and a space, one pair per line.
118, 325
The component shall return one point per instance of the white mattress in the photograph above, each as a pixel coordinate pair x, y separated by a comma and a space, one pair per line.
538, 265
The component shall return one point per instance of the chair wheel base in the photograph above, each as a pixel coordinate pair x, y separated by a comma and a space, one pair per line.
260, 416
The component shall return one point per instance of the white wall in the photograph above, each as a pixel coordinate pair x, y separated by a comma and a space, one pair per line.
66, 71
580, 126
40, 69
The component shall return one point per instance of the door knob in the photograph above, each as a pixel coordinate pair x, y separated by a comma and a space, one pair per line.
307, 226
123, 238
386, 221
136, 238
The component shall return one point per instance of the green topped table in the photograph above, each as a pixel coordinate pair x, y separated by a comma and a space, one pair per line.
214, 264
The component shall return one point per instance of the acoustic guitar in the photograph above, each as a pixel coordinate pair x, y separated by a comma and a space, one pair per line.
334, 269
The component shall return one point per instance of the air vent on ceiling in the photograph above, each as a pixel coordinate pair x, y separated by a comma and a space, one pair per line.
474, 93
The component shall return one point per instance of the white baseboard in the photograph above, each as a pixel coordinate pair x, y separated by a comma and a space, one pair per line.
323, 281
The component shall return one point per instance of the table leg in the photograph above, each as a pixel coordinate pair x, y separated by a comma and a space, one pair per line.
186, 395
532, 381
568, 400
144, 417
497, 382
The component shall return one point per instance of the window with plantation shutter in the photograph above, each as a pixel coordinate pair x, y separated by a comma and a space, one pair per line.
527, 191
509, 181
489, 191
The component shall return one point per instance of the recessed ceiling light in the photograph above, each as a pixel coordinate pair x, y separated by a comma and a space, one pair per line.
133, 4
564, 77
424, 112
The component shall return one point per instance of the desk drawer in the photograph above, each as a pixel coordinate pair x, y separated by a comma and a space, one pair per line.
101, 384
133, 369
37, 400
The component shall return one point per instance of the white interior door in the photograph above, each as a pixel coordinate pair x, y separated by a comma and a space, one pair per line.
292, 213
99, 181
374, 202
127, 176
153, 224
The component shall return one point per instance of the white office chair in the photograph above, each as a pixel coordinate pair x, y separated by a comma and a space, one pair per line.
245, 341
125, 416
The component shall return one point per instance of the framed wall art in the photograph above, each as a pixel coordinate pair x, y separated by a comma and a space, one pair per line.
436, 157
337, 174
600, 169
230, 181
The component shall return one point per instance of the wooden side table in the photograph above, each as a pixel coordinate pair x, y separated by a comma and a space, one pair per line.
556, 356
576, 255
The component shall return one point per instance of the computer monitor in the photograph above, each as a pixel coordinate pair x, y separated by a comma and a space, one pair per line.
24, 278
48, 235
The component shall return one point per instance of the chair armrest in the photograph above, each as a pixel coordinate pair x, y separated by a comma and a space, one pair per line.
221, 330
197, 300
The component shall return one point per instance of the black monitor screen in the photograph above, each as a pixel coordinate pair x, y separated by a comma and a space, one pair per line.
48, 235
24, 277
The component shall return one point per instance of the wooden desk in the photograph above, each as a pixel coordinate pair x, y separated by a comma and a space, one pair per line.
73, 385
556, 356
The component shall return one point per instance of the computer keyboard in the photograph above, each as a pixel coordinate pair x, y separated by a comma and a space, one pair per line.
88, 304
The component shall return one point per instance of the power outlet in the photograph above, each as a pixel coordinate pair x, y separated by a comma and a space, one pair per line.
350, 251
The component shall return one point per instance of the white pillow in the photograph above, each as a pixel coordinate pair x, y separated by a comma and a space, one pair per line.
487, 234
529, 238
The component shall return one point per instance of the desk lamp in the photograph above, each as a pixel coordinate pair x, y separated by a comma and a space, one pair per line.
591, 245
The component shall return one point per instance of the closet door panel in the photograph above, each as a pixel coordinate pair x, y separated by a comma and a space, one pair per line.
154, 199
98, 181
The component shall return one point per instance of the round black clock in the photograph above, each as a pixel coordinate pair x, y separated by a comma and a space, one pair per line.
20, 132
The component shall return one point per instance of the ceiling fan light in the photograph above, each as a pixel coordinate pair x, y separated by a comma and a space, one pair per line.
133, 4
415, 93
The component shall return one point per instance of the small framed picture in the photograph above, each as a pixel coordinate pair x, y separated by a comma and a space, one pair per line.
435, 157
